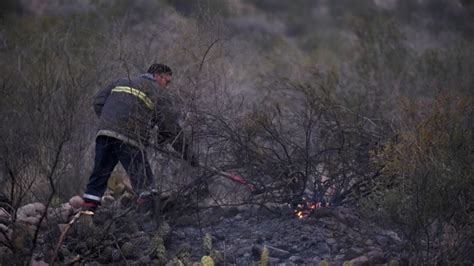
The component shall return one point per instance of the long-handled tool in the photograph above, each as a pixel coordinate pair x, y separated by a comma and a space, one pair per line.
233, 177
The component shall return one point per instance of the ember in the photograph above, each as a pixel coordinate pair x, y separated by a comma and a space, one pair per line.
303, 208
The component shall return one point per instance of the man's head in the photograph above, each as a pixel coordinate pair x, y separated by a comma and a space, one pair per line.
162, 74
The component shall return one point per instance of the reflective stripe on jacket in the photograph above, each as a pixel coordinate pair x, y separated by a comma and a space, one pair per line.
129, 108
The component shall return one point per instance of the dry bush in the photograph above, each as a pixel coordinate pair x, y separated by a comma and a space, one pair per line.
302, 140
428, 180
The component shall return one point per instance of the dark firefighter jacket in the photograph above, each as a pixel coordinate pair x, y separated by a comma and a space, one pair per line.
129, 108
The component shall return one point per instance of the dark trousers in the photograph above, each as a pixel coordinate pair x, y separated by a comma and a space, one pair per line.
108, 152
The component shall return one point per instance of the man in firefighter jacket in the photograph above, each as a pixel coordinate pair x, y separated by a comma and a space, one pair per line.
128, 109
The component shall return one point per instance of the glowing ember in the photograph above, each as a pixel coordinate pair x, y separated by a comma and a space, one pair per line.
304, 208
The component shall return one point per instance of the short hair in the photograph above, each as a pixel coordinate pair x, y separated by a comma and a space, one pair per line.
160, 68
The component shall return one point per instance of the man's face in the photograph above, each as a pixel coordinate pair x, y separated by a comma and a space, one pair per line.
163, 79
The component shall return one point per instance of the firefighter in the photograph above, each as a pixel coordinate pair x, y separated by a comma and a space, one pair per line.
127, 110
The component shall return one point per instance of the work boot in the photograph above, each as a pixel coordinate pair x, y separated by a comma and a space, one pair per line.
89, 205
145, 203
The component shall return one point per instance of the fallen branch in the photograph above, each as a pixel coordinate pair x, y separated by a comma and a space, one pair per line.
66, 230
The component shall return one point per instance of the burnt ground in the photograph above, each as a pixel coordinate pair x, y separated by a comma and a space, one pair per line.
335, 235
118, 235
238, 236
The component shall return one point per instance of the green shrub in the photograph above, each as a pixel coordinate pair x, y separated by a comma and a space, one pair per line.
428, 178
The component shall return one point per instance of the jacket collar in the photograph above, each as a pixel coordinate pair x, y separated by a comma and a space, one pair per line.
148, 76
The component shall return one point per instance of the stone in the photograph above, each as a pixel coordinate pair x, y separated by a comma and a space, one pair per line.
315, 260
393, 236
272, 260
278, 253
360, 260
230, 212
32, 220
184, 220
76, 202
32, 209
174, 262
382, 240
296, 259
376, 256
144, 260
322, 248
353, 252
129, 250
331, 241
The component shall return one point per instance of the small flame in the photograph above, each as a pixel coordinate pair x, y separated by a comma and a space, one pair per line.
300, 214
305, 207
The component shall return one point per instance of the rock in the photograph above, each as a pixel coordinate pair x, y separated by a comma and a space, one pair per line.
32, 220
32, 209
331, 241
272, 260
184, 220
376, 256
278, 253
315, 260
353, 253
107, 254
296, 259
322, 248
359, 260
76, 202
230, 212
369, 242
382, 240
129, 250
144, 260
393, 236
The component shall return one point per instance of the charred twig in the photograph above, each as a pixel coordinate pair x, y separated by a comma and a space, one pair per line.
64, 233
